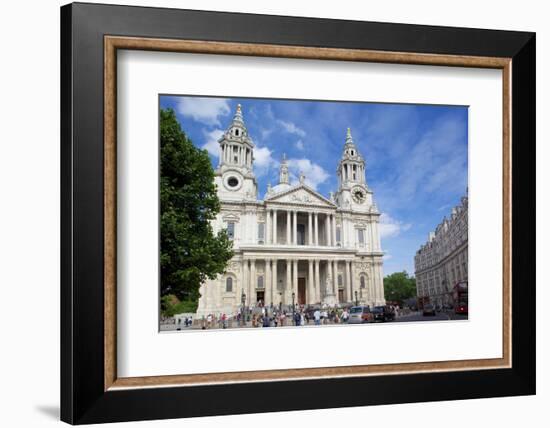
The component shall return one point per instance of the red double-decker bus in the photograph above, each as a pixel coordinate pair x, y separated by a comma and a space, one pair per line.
460, 297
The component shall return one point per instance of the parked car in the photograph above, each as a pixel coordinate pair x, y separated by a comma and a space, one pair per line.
383, 313
428, 309
359, 315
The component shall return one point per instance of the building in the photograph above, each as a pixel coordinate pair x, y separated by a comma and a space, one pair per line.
442, 261
295, 246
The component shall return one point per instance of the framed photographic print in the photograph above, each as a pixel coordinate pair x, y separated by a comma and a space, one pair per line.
260, 204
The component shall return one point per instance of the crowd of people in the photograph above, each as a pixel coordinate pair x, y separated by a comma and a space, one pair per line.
275, 317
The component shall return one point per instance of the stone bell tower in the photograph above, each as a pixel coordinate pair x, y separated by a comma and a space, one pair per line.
234, 176
353, 191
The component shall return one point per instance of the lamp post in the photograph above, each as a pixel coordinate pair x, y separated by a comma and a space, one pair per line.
243, 300
356, 301
293, 308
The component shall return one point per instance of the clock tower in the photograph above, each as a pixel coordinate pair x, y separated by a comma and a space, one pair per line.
234, 176
353, 192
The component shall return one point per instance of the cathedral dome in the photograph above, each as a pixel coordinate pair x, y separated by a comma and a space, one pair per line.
281, 187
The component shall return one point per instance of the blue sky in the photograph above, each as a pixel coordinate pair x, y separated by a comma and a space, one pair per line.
416, 155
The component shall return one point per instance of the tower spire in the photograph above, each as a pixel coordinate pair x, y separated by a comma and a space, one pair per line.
283, 171
238, 115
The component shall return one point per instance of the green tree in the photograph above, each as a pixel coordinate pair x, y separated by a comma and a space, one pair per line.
399, 286
189, 250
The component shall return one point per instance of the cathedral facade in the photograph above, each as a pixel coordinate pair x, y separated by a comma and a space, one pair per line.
295, 246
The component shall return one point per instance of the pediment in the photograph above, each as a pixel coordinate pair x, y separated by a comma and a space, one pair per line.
301, 195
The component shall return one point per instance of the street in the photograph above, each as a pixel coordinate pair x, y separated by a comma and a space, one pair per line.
231, 324
439, 316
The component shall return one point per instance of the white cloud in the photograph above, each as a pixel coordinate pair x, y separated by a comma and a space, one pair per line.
204, 110
390, 227
300, 145
291, 128
263, 160
315, 174
212, 145
387, 256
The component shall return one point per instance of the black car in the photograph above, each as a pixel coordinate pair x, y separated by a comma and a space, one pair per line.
383, 313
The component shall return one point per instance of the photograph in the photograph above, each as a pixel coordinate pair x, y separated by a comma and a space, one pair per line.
310, 213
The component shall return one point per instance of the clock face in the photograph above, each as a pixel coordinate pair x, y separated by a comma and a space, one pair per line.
359, 196
232, 181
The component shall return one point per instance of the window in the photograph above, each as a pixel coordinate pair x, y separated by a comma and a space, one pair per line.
261, 233
231, 230
340, 281
362, 281
229, 285
232, 181
338, 235
260, 282
361, 236
237, 132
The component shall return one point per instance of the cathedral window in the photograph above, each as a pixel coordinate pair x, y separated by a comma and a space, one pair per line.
229, 285
260, 282
261, 233
231, 230
362, 281
340, 281
338, 236
361, 236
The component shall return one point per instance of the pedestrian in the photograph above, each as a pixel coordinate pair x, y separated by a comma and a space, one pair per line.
275, 319
209, 321
317, 317
224, 321
296, 319
282, 319
266, 320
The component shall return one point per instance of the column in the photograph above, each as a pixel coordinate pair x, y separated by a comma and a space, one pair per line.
335, 278
274, 227
327, 230
252, 283
295, 279
309, 229
244, 280
267, 226
288, 285
267, 282
316, 229
349, 296
310, 295
317, 284
353, 284
334, 230
328, 284
295, 229
288, 239
275, 289
344, 234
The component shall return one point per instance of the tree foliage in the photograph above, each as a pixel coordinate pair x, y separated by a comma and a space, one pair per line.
189, 250
399, 286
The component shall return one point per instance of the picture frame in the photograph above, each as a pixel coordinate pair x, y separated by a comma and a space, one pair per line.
91, 391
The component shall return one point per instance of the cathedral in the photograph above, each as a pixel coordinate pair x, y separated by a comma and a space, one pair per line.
295, 246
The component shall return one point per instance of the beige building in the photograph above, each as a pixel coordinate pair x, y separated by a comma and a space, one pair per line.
442, 261
296, 245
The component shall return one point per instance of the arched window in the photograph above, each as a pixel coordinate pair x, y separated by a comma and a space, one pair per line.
340, 281
260, 282
362, 281
229, 285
